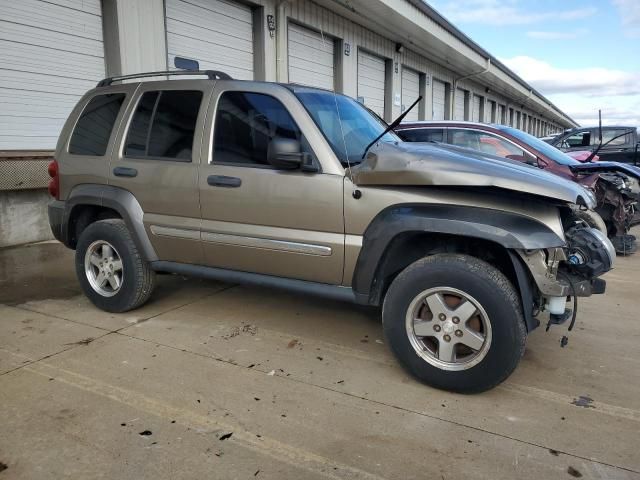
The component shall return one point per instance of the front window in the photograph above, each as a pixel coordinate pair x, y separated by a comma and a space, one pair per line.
347, 125
486, 143
540, 146
246, 123
578, 140
608, 137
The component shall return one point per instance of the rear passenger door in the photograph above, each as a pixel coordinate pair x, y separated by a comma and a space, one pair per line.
157, 160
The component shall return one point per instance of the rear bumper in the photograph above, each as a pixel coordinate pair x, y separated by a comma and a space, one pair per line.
56, 220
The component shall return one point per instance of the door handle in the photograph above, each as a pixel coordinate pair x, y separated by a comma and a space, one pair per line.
223, 181
125, 172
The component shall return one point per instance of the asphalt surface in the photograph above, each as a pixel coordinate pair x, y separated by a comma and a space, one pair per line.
217, 381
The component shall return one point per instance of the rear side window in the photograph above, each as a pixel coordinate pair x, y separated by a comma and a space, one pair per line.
422, 135
163, 125
245, 124
93, 129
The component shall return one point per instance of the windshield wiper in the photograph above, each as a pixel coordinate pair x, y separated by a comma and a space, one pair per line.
391, 126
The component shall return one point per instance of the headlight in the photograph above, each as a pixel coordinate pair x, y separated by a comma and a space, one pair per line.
590, 251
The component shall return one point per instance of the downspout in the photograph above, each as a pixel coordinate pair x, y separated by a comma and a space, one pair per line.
455, 86
281, 48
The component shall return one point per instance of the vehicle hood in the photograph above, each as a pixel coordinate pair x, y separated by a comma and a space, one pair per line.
599, 167
409, 163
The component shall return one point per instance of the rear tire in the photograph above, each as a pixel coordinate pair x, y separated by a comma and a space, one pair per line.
110, 269
455, 322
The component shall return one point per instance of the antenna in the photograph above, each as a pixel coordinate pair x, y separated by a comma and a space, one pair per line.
344, 141
600, 126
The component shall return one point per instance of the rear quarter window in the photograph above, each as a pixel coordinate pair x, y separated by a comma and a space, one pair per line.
95, 124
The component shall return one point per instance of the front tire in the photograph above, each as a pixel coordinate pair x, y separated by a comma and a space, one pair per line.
455, 322
110, 269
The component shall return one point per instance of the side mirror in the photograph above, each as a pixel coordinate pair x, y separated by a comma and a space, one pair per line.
287, 154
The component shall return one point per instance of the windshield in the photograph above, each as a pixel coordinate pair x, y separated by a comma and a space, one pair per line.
359, 126
543, 147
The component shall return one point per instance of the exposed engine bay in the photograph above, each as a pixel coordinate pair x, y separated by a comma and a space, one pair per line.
618, 207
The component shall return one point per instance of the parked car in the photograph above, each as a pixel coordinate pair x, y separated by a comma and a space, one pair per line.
303, 189
620, 143
583, 156
616, 187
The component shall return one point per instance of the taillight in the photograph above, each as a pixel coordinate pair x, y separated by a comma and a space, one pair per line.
54, 183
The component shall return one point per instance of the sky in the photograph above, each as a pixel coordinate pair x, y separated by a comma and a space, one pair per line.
583, 55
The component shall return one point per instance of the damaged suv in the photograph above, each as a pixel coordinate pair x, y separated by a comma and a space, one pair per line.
303, 189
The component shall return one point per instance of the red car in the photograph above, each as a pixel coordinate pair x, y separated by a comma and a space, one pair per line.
613, 189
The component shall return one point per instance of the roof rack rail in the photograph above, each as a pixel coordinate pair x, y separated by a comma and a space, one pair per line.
211, 74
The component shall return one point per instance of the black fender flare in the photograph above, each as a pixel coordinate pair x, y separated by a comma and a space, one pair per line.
118, 199
512, 231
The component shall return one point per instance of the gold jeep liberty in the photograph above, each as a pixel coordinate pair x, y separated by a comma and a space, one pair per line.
304, 189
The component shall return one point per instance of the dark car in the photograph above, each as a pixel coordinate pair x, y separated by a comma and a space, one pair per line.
620, 144
616, 186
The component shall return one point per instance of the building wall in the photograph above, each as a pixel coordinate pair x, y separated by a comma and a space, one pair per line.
141, 43
135, 40
23, 217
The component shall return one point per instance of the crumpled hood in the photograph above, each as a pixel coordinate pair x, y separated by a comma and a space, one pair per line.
408, 163
598, 167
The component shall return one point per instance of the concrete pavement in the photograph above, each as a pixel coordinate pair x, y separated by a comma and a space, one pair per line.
212, 380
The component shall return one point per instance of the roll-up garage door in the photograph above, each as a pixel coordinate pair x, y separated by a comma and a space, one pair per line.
51, 53
489, 111
410, 93
216, 33
310, 57
500, 119
458, 112
371, 81
439, 100
475, 113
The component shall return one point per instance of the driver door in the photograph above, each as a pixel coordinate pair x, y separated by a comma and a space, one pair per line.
256, 218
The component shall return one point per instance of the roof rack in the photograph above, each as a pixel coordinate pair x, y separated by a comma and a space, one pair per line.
211, 74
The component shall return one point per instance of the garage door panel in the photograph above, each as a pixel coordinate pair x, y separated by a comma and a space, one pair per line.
410, 93
36, 59
458, 112
438, 100
226, 66
207, 51
227, 8
12, 79
314, 41
310, 57
216, 33
56, 17
475, 112
371, 81
197, 19
55, 52
13, 32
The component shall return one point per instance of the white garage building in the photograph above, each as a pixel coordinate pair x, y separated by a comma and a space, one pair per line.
385, 53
